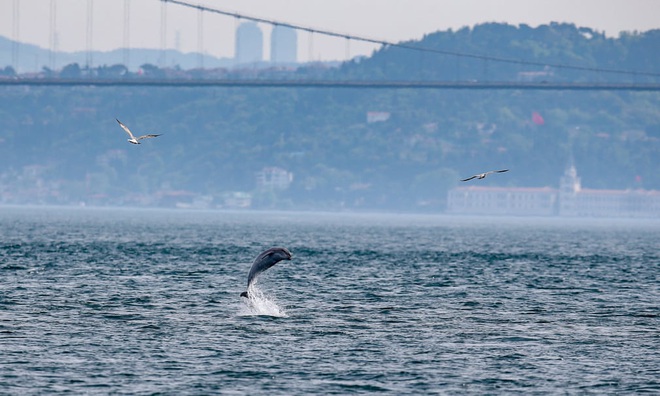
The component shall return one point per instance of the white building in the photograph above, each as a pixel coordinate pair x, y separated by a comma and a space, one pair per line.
237, 200
273, 178
377, 116
570, 200
576, 201
519, 201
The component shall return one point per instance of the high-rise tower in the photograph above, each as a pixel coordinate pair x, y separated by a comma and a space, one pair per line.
283, 45
249, 43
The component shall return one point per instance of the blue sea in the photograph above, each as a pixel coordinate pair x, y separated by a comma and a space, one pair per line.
143, 302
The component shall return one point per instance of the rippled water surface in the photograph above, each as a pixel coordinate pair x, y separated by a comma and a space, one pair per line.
143, 302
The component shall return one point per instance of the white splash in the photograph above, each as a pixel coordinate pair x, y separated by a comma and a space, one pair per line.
260, 304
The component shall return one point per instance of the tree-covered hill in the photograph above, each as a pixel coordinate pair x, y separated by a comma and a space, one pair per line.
63, 145
531, 54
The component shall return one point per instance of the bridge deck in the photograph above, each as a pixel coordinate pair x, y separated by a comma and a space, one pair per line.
476, 85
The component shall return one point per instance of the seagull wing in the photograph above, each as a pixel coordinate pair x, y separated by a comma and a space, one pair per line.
469, 178
147, 137
125, 128
494, 171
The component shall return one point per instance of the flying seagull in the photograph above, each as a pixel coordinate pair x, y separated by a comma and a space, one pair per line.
265, 260
133, 139
483, 175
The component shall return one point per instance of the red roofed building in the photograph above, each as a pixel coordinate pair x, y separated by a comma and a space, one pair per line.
576, 201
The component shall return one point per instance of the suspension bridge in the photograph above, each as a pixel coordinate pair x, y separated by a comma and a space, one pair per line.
288, 82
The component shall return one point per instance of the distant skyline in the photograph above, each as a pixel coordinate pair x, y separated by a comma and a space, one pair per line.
379, 19
249, 43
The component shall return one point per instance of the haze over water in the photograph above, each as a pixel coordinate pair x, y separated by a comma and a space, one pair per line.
100, 301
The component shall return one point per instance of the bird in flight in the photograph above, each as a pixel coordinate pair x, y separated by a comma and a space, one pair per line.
483, 175
133, 139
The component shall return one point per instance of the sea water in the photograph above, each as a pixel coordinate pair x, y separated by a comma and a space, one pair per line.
112, 301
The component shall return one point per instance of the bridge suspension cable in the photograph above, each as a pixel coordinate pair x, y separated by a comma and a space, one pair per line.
90, 31
127, 31
15, 48
386, 43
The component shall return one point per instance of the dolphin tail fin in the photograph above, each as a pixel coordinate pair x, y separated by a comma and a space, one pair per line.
245, 294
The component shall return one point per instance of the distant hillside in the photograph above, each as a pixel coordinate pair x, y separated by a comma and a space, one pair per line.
554, 44
356, 149
33, 58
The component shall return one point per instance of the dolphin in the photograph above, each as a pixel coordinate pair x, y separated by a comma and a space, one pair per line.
265, 260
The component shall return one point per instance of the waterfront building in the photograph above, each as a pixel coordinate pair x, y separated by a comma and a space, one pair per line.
518, 201
569, 200
578, 201
273, 179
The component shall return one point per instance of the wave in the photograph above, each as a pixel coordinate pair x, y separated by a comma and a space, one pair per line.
258, 304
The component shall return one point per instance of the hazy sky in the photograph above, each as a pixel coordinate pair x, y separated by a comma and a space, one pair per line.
391, 20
